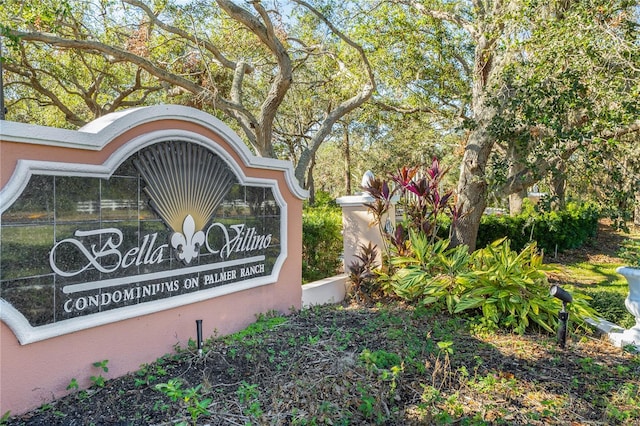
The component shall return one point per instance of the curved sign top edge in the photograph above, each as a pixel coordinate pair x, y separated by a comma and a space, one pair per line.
99, 132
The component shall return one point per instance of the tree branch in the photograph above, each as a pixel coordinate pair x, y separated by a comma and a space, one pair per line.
345, 107
404, 109
346, 39
527, 177
31, 75
122, 55
210, 47
284, 75
446, 16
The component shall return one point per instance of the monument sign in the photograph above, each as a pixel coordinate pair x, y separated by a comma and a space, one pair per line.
154, 210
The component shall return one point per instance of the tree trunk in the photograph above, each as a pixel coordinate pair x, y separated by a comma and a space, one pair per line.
472, 186
558, 192
515, 167
263, 144
311, 186
301, 167
347, 161
515, 202
636, 215
559, 187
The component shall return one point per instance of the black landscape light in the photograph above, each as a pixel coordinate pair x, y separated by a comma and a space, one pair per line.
563, 316
199, 335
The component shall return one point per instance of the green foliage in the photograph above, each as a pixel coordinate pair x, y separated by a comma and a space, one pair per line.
565, 98
102, 365
509, 288
249, 396
630, 252
568, 228
446, 347
495, 227
264, 322
99, 380
626, 403
150, 373
173, 389
323, 199
609, 303
73, 384
321, 242
428, 274
190, 398
381, 359
561, 230
367, 403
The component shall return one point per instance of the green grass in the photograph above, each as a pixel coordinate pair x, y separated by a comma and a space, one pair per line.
603, 284
586, 274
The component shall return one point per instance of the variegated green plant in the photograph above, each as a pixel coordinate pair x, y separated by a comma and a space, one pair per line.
429, 273
512, 291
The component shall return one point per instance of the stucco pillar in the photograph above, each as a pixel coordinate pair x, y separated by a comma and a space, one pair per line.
358, 226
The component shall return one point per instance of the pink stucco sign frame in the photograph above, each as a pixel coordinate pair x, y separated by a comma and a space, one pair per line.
37, 363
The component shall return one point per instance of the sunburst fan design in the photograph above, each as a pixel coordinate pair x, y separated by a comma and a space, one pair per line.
184, 179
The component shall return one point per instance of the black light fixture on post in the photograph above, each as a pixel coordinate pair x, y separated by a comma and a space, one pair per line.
563, 316
199, 335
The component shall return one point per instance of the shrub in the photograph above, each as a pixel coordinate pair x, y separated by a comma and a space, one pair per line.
630, 252
323, 199
321, 242
361, 270
561, 230
496, 227
428, 274
425, 207
568, 228
609, 303
417, 247
509, 288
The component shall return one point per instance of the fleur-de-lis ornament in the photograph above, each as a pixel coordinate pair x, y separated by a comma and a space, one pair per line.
188, 243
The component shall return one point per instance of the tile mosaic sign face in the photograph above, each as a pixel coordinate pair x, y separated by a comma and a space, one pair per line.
173, 219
